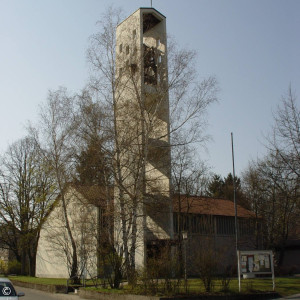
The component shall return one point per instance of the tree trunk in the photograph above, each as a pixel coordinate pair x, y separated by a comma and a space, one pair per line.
74, 266
23, 260
31, 253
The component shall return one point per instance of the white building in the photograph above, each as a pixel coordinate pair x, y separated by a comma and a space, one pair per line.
143, 144
54, 253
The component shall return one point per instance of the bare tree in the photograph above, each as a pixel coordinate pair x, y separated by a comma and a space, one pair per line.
189, 178
94, 168
189, 175
284, 149
285, 141
56, 134
26, 199
273, 195
132, 147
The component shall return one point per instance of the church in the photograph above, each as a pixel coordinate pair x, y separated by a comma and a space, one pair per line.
141, 214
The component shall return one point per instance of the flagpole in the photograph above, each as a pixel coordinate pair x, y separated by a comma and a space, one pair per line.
235, 213
234, 196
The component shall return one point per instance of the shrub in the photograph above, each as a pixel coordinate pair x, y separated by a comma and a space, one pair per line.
14, 267
206, 263
226, 277
3, 267
160, 274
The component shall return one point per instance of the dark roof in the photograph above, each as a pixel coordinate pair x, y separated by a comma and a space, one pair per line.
153, 9
142, 8
209, 206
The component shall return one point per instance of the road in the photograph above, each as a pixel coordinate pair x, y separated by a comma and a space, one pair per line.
31, 294
294, 297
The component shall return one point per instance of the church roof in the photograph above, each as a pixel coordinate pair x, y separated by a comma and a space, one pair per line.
209, 206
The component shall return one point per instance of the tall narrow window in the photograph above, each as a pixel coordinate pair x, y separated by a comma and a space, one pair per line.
157, 42
127, 50
134, 33
159, 59
120, 48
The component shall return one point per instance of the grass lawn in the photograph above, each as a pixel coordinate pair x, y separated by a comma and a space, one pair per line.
47, 281
284, 285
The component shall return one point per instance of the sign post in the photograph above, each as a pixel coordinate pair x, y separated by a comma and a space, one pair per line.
239, 270
255, 262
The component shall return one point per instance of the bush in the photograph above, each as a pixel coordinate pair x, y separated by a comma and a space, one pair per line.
226, 277
3, 267
287, 270
149, 277
14, 267
160, 275
207, 265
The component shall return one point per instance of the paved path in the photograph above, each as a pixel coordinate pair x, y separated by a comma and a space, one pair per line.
31, 294
294, 297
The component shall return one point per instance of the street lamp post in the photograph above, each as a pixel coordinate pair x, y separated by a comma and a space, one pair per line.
184, 238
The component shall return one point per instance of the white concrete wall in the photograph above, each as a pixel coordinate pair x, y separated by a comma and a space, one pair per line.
143, 124
54, 242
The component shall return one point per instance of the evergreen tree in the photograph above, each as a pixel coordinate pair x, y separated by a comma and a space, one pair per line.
92, 165
220, 187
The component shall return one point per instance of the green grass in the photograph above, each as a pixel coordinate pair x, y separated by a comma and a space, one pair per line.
288, 286
108, 290
47, 281
285, 286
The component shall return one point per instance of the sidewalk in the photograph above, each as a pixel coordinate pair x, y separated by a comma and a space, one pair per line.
32, 294
296, 296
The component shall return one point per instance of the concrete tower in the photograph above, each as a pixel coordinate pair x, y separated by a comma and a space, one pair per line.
143, 133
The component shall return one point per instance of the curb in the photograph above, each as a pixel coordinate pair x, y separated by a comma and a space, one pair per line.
84, 294
41, 287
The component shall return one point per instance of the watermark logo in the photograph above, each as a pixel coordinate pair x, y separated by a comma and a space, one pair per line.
6, 291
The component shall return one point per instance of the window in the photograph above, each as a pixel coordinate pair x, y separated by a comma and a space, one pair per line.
150, 65
7, 290
159, 59
246, 226
133, 68
225, 225
120, 71
134, 33
193, 223
157, 42
127, 50
120, 48
134, 51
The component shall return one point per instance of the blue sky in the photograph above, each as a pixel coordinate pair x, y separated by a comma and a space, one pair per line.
252, 47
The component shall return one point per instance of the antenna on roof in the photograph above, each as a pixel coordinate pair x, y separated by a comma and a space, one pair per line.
151, 3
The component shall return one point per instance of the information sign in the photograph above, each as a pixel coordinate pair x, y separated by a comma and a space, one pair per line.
255, 262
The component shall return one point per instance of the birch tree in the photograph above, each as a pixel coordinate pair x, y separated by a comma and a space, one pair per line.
55, 134
189, 99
